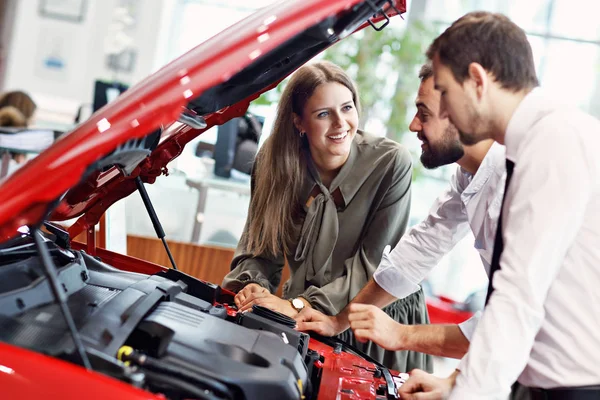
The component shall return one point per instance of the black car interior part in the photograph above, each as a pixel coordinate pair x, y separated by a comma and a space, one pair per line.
128, 155
273, 316
159, 317
280, 62
182, 343
314, 374
128, 354
275, 322
206, 291
383, 14
59, 295
175, 388
60, 236
154, 218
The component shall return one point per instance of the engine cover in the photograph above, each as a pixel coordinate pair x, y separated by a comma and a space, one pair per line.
258, 363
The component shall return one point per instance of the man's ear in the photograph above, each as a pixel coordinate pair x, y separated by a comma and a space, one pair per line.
479, 77
297, 122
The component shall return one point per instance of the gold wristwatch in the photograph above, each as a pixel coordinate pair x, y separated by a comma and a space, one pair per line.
297, 303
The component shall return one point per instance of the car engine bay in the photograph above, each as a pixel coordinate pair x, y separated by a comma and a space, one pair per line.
168, 333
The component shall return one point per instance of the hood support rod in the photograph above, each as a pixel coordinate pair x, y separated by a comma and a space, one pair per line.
153, 217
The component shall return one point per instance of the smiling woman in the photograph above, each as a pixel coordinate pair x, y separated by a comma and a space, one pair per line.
329, 199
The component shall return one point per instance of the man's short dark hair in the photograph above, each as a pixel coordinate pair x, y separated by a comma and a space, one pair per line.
426, 72
491, 40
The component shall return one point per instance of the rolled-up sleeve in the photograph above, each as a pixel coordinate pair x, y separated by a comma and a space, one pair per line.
468, 327
420, 250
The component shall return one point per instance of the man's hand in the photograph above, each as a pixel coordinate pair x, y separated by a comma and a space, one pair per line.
369, 322
310, 319
424, 386
246, 292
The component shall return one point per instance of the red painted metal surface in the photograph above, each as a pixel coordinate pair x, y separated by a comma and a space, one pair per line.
157, 100
28, 375
442, 311
346, 376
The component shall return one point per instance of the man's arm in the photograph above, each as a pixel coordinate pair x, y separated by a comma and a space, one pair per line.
364, 315
313, 320
371, 323
400, 272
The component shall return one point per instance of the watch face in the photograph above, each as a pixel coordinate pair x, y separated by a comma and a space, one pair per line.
298, 304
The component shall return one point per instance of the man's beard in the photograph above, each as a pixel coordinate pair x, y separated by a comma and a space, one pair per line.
446, 151
469, 138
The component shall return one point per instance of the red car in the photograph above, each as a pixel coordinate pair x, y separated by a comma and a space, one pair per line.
80, 322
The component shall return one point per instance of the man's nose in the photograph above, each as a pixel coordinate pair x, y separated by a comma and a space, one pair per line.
415, 125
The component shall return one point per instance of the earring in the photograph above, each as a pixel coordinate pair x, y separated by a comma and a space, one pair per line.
302, 134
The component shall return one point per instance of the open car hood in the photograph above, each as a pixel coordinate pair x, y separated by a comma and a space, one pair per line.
95, 165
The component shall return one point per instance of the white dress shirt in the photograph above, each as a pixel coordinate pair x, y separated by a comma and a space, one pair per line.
542, 323
471, 201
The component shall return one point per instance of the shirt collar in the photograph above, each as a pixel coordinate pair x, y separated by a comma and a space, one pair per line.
493, 158
534, 106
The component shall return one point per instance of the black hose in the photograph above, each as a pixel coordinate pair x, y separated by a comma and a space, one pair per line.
59, 295
162, 382
160, 366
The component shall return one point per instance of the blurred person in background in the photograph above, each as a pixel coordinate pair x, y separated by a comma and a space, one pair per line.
17, 110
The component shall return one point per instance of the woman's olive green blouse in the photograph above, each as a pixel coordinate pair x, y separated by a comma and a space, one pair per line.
339, 246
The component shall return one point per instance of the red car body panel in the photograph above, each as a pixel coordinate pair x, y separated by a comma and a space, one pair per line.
443, 311
156, 101
345, 376
28, 375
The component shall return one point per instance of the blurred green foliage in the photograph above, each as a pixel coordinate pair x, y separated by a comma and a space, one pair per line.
385, 67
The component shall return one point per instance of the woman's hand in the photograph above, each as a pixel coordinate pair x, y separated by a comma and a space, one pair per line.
269, 301
313, 320
248, 290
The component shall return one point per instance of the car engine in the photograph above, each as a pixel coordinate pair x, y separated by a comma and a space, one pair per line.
168, 333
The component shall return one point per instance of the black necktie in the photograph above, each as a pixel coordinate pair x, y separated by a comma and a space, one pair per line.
499, 242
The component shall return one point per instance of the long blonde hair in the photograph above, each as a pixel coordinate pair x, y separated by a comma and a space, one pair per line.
280, 167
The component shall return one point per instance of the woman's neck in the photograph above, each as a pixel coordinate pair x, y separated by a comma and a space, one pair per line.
328, 176
328, 170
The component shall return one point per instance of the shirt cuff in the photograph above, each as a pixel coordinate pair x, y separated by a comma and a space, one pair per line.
468, 327
467, 394
460, 392
392, 280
